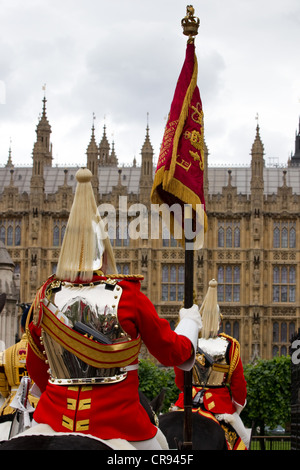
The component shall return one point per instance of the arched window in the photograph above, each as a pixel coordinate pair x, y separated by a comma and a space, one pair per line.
283, 275
236, 275
165, 274
283, 350
236, 330
18, 236
221, 237
118, 241
173, 274
220, 274
228, 237
126, 269
283, 332
236, 237
56, 236
284, 238
10, 235
284, 234
276, 275
228, 274
292, 275
181, 274
284, 284
275, 332
291, 330
292, 238
122, 238
173, 282
62, 234
229, 284
228, 328
2, 234
276, 238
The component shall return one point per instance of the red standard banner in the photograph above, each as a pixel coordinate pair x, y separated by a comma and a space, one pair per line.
179, 174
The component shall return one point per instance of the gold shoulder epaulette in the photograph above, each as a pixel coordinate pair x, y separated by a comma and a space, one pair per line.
224, 335
235, 354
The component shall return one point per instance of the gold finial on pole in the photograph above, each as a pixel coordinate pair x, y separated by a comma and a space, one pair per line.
190, 23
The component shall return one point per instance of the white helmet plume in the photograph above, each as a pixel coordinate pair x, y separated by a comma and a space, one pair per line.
86, 246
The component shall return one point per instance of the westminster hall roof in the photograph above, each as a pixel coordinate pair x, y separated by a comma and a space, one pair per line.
130, 177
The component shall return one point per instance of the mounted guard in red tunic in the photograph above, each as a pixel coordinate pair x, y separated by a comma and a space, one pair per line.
85, 335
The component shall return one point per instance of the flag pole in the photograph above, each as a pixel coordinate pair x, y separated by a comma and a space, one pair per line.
188, 302
190, 25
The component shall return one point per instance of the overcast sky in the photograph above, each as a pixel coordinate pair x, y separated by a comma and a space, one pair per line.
121, 59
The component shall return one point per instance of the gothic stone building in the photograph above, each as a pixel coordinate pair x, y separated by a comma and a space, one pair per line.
252, 246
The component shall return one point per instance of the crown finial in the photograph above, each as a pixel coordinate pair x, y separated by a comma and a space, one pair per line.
190, 23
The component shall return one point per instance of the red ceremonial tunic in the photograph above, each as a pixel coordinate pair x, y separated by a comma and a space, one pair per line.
219, 400
109, 411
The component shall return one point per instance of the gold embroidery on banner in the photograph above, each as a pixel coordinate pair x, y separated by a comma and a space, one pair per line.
197, 115
197, 157
195, 138
167, 141
197, 141
184, 164
211, 405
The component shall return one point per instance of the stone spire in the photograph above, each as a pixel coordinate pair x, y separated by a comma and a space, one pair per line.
113, 160
257, 173
42, 150
43, 132
92, 160
92, 153
9, 163
257, 147
257, 162
146, 176
104, 149
295, 159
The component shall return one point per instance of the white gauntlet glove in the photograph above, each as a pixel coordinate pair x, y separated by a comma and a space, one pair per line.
190, 324
193, 314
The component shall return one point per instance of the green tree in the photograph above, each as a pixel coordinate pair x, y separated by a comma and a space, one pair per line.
268, 393
153, 379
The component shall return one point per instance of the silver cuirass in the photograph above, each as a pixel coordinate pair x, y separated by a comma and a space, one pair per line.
91, 310
211, 366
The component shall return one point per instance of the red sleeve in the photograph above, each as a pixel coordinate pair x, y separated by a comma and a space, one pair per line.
137, 315
238, 384
37, 367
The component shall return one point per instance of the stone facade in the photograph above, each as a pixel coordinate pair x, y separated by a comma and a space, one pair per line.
252, 246
9, 292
